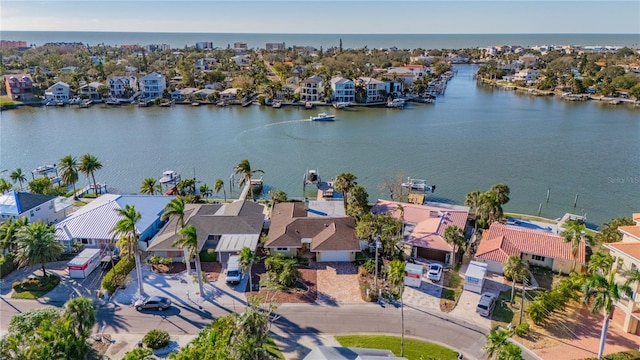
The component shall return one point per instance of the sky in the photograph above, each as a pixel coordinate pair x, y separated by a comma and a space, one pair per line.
325, 17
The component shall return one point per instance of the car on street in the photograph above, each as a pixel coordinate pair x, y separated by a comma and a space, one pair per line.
154, 302
435, 272
486, 304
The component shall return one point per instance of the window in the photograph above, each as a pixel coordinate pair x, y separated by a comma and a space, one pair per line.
85, 241
537, 257
633, 267
31, 213
282, 249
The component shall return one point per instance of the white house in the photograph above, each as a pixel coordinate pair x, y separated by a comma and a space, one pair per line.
310, 88
375, 89
118, 85
344, 90
35, 207
90, 90
152, 85
527, 75
241, 60
57, 92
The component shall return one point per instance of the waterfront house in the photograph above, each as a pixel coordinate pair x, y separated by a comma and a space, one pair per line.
225, 228
541, 248
303, 227
421, 59
376, 90
424, 226
182, 94
19, 87
241, 60
230, 94
152, 85
528, 59
626, 254
91, 225
120, 85
527, 75
343, 90
57, 92
35, 207
90, 90
274, 46
310, 88
205, 64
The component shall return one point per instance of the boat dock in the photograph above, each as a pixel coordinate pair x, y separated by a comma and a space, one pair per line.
102, 189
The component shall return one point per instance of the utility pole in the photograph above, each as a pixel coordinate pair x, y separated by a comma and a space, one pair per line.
524, 281
376, 272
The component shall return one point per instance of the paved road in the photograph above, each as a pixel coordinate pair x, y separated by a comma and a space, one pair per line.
294, 320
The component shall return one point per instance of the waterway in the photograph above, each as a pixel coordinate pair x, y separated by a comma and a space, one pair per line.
472, 137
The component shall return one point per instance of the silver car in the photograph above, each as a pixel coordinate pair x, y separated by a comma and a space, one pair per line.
154, 302
486, 304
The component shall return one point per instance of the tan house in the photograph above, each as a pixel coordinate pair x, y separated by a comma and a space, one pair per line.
626, 256
296, 229
539, 248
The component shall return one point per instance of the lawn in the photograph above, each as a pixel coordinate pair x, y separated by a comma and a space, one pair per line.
34, 288
413, 349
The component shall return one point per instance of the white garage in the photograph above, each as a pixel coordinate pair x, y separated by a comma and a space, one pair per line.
344, 256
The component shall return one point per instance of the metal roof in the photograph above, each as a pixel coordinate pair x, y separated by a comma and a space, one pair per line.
236, 242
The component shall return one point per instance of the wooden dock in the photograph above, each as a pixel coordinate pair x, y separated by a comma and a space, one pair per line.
102, 189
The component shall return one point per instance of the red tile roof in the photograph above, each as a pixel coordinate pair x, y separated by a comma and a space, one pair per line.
502, 241
633, 230
631, 249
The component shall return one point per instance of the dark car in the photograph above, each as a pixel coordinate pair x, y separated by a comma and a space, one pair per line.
154, 302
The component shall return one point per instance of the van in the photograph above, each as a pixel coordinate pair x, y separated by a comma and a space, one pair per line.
234, 273
486, 304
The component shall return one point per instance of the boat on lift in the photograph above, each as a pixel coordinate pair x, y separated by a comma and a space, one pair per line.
418, 185
169, 177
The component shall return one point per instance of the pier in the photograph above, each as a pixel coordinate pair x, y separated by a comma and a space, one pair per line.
102, 189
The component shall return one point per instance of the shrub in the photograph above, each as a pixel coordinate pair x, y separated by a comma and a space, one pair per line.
208, 255
138, 354
156, 339
116, 276
40, 283
7, 265
522, 329
369, 266
89, 196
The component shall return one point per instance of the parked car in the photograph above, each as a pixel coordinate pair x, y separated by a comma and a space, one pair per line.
486, 304
435, 272
154, 302
234, 273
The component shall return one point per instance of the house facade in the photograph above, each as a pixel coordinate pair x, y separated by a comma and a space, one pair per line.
376, 90
119, 85
34, 207
527, 75
152, 85
90, 90
626, 256
310, 88
19, 87
57, 92
343, 90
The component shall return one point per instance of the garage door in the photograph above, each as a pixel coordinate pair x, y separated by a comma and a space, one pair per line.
431, 254
335, 256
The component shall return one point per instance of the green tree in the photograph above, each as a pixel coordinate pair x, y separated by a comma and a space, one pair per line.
219, 185
140, 354
247, 259
395, 277
474, 201
454, 236
497, 340
17, 176
491, 208
126, 229
516, 269
41, 185
4, 185
502, 192
610, 233
600, 263
344, 182
357, 204
510, 351
150, 186
282, 271
205, 191
175, 208
9, 233
278, 196
82, 314
37, 245
89, 164
244, 168
189, 242
601, 293
574, 233
69, 171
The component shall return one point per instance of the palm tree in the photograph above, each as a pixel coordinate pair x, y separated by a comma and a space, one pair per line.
175, 208
497, 340
574, 233
502, 192
244, 168
189, 242
602, 292
205, 191
516, 269
9, 233
455, 236
219, 185
401, 209
600, 263
126, 229
4, 185
247, 259
18, 177
344, 182
474, 201
510, 351
89, 164
82, 314
37, 245
395, 276
69, 171
490, 207
150, 186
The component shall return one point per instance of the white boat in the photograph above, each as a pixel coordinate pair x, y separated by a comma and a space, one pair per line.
276, 104
340, 105
311, 177
322, 117
195, 103
169, 177
418, 185
396, 103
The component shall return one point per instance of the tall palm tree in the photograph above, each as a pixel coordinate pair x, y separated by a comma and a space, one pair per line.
574, 233
219, 185
490, 207
395, 276
344, 182
401, 209
9, 233
205, 191
150, 186
18, 177
69, 171
82, 314
474, 201
247, 259
37, 245
516, 269
455, 236
602, 292
175, 208
497, 340
510, 351
89, 164
244, 168
600, 263
189, 242
502, 192
126, 229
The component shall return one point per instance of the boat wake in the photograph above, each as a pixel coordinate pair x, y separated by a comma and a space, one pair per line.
243, 132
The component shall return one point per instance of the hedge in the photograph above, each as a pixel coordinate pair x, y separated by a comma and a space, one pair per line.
7, 265
115, 278
208, 255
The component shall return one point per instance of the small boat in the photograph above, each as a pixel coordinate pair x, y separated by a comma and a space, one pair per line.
246, 102
167, 103
418, 185
145, 102
47, 170
195, 103
75, 101
322, 117
222, 103
308, 105
311, 177
276, 104
112, 101
169, 177
395, 103
85, 104
340, 105
256, 185
60, 103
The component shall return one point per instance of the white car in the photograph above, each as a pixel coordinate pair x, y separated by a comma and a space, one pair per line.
486, 304
435, 272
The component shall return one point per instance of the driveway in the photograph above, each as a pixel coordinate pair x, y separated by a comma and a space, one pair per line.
427, 296
337, 283
466, 308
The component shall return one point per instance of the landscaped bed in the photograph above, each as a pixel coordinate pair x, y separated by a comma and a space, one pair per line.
34, 287
452, 289
413, 349
306, 293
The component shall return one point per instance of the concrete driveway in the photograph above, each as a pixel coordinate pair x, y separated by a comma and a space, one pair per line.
427, 296
466, 308
337, 283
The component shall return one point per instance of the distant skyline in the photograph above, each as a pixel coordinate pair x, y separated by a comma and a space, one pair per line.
325, 17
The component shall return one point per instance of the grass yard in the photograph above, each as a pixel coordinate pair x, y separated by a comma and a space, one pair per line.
413, 349
34, 288
452, 289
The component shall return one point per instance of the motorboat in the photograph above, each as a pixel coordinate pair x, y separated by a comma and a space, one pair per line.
276, 104
396, 103
308, 105
323, 117
311, 177
169, 177
340, 105
418, 185
195, 103
112, 101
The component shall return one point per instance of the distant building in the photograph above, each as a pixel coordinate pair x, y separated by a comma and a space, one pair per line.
131, 47
9, 44
274, 46
240, 45
152, 85
202, 45
19, 87
157, 47
206, 63
90, 90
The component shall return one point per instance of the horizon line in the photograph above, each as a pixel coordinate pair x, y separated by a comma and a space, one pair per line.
322, 33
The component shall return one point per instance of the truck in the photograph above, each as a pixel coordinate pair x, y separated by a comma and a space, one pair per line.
84, 263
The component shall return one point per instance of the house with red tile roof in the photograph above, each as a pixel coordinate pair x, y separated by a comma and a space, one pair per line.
537, 247
626, 254
424, 226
